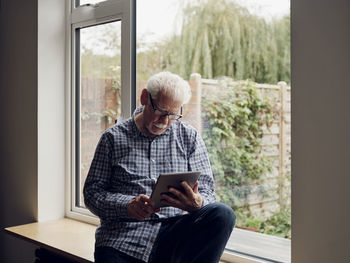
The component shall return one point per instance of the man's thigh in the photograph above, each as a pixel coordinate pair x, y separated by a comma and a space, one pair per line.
186, 236
111, 255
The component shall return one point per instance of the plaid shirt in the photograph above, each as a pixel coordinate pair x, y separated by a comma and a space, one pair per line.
127, 163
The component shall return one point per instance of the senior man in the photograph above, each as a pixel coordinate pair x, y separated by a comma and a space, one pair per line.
128, 160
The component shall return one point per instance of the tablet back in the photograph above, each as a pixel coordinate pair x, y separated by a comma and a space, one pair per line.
174, 180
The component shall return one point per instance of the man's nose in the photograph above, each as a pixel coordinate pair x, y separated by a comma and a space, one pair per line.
164, 119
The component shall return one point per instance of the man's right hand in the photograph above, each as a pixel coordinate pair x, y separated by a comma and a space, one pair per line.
141, 208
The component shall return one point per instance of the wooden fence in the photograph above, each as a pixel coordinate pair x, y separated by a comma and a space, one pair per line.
276, 140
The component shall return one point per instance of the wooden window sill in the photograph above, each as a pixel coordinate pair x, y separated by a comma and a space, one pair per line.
66, 237
69, 238
75, 241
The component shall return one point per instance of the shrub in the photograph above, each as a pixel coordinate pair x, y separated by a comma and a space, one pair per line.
235, 121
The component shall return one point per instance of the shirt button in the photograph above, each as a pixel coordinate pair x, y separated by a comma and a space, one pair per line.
153, 161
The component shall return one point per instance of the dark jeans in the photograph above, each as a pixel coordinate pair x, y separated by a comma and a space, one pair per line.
197, 237
111, 255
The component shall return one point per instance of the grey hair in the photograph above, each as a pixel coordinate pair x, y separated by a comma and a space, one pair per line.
170, 85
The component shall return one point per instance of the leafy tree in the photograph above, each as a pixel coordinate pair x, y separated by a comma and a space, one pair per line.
100, 51
218, 38
221, 38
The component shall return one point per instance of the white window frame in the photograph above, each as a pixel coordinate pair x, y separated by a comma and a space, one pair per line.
80, 17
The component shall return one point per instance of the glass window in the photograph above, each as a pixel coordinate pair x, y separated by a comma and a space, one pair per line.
235, 55
99, 100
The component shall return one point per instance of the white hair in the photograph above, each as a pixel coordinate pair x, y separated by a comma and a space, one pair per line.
170, 85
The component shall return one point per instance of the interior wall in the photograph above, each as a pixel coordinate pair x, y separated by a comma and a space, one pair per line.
51, 109
18, 125
320, 130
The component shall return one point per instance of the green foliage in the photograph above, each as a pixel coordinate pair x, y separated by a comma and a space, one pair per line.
217, 38
233, 139
101, 52
235, 120
221, 38
151, 59
109, 114
278, 224
100, 66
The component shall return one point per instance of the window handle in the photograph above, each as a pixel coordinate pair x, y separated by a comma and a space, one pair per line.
89, 5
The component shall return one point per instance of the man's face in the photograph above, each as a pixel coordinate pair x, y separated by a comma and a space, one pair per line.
155, 124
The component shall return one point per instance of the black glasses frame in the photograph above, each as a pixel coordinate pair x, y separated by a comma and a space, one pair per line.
162, 113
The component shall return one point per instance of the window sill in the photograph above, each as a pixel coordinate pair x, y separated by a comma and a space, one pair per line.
247, 246
75, 240
66, 237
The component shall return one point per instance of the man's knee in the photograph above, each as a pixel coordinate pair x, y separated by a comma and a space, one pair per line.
223, 215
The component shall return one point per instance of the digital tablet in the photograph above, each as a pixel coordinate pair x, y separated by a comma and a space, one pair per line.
172, 179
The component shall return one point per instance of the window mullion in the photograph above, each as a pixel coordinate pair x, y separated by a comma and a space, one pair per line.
127, 59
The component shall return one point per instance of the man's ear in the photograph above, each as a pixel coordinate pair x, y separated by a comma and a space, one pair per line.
144, 97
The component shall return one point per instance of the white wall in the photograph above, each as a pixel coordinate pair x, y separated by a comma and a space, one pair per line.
51, 109
320, 131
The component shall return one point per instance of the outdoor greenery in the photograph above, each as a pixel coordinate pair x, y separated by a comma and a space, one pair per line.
102, 66
217, 38
278, 224
235, 120
221, 38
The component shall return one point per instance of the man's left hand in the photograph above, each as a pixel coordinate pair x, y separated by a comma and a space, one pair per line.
189, 200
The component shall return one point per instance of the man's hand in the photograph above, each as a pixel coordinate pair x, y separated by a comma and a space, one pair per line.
141, 208
190, 200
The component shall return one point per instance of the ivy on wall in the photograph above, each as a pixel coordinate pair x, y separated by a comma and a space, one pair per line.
235, 119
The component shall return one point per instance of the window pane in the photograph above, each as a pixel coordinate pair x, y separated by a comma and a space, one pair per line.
237, 61
99, 95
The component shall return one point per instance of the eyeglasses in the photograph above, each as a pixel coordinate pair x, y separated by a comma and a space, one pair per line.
162, 113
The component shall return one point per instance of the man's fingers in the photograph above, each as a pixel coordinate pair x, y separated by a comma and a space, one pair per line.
144, 210
177, 193
195, 188
190, 200
147, 203
149, 209
144, 198
168, 200
187, 188
151, 202
140, 210
136, 213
